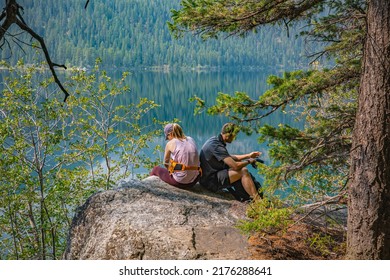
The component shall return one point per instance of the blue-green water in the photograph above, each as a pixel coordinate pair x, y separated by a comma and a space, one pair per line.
172, 90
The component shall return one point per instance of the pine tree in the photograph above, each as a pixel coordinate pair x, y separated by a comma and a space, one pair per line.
329, 100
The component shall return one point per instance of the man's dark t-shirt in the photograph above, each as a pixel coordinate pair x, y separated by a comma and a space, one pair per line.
212, 155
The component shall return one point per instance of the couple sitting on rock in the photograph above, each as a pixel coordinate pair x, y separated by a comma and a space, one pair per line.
214, 167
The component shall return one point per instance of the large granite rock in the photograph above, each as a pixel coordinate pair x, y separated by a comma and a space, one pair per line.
149, 219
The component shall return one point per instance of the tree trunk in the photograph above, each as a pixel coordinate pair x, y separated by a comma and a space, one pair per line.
369, 189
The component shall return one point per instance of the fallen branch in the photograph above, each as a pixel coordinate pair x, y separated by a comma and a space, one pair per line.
315, 206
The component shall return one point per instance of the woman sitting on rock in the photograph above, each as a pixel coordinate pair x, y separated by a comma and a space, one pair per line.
181, 159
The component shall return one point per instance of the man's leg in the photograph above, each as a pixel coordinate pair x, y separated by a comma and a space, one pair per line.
246, 180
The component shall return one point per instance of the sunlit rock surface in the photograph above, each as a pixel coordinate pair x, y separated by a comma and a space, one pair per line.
150, 219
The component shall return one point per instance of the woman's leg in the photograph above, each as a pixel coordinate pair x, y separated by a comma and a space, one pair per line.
164, 175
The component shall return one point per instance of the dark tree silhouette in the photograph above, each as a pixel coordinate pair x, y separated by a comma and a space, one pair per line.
12, 15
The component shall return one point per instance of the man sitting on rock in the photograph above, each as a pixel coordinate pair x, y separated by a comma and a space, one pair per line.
220, 170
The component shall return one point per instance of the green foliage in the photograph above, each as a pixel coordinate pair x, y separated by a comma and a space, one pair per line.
210, 18
135, 34
325, 244
113, 133
31, 134
266, 216
50, 154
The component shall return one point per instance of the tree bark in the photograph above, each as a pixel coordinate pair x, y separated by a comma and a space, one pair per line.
368, 235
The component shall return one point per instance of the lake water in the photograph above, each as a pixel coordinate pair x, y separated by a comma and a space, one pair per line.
173, 89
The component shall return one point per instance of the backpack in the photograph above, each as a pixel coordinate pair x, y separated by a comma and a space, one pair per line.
239, 193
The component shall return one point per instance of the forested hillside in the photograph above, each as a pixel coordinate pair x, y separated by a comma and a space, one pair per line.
134, 33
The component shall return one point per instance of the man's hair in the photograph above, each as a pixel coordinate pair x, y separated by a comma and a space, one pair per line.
230, 128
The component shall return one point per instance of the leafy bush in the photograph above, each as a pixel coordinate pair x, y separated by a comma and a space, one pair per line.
53, 155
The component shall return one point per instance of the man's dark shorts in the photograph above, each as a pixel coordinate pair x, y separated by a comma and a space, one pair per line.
221, 181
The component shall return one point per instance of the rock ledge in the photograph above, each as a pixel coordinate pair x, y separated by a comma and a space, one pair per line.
150, 219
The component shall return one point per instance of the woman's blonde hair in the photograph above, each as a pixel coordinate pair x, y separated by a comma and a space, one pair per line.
177, 131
